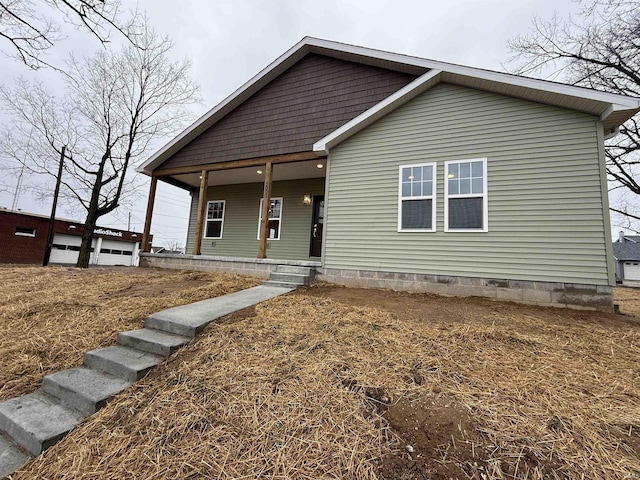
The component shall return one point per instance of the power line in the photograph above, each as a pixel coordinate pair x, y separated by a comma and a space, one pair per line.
162, 194
170, 216
164, 202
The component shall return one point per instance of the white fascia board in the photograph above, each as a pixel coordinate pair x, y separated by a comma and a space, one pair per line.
393, 101
620, 102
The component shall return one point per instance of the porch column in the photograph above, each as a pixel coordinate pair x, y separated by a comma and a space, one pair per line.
146, 245
202, 206
264, 212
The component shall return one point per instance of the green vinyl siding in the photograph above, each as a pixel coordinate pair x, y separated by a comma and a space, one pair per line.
546, 215
240, 229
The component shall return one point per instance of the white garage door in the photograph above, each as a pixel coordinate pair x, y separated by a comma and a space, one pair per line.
115, 253
632, 270
65, 249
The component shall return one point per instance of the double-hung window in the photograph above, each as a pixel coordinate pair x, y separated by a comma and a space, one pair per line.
465, 196
274, 220
215, 219
417, 198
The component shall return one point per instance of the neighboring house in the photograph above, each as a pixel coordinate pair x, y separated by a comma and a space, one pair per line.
23, 239
626, 251
385, 170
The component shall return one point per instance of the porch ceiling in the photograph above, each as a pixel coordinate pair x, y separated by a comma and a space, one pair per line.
282, 171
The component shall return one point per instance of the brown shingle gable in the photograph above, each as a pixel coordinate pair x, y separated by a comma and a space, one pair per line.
308, 101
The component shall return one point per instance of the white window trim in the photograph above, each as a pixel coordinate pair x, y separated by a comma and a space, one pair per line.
431, 197
279, 218
485, 203
224, 212
24, 234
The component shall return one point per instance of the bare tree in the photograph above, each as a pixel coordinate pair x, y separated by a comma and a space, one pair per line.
116, 103
600, 49
29, 28
173, 246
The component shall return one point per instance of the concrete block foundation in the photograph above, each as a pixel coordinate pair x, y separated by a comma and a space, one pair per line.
556, 294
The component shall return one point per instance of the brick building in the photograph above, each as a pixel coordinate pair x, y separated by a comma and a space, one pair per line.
23, 239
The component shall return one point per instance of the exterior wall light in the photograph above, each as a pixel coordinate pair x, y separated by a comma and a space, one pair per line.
306, 199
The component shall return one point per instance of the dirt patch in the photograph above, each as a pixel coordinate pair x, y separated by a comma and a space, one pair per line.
411, 306
440, 440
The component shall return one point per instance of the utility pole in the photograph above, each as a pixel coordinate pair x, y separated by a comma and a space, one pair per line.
52, 219
129, 222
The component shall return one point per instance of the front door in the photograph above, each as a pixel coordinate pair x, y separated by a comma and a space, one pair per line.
317, 225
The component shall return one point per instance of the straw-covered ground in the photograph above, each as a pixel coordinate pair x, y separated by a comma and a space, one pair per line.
50, 316
331, 382
628, 299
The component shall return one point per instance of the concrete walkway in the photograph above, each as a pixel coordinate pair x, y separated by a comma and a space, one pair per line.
32, 423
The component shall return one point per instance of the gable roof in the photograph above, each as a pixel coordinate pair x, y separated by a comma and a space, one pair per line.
308, 101
612, 109
626, 251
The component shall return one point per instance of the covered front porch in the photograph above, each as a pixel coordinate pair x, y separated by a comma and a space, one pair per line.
270, 208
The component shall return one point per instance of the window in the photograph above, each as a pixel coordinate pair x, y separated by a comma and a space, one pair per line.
465, 196
275, 217
215, 219
73, 248
25, 232
416, 198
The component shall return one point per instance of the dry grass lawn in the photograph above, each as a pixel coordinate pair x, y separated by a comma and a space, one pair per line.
49, 317
332, 382
628, 299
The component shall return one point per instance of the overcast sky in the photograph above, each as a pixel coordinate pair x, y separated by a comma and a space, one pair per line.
229, 41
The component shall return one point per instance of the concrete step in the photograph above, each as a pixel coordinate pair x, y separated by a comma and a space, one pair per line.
36, 421
12, 457
152, 341
122, 362
306, 271
272, 283
291, 278
188, 320
84, 389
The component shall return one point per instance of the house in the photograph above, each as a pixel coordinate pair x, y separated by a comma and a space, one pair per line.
23, 239
626, 252
386, 170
